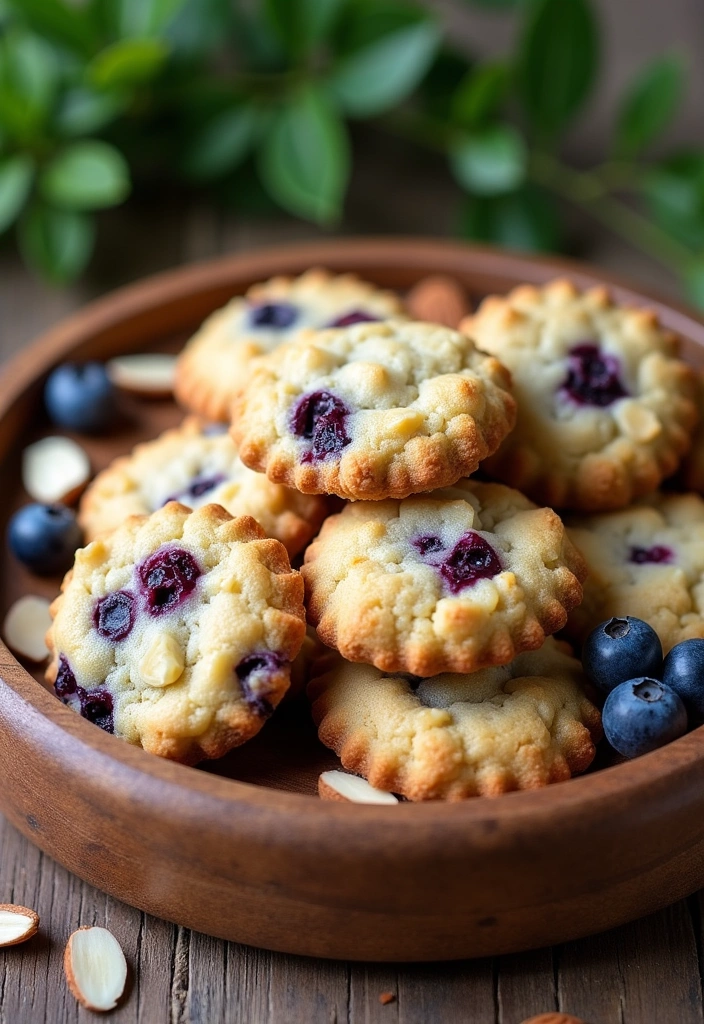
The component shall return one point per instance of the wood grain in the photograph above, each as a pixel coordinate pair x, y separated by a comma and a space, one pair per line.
178, 976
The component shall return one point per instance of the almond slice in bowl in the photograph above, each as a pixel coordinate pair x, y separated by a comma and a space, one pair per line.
25, 627
17, 924
149, 374
55, 469
336, 785
95, 967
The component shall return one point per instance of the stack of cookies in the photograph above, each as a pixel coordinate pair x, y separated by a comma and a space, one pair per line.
421, 473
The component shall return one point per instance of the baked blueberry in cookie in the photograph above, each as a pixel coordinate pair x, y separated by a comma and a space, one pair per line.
646, 561
519, 726
451, 581
216, 362
605, 406
374, 410
176, 631
197, 465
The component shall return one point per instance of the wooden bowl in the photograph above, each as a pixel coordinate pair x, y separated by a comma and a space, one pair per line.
244, 850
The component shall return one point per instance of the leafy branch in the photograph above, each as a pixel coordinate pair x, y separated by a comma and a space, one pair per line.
216, 93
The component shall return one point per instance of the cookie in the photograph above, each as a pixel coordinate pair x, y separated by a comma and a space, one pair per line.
197, 463
605, 407
176, 631
519, 726
646, 561
216, 361
373, 411
690, 475
453, 581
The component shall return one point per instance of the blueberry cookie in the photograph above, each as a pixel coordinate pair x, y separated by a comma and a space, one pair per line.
690, 475
197, 464
519, 726
605, 407
453, 581
646, 561
176, 632
215, 363
373, 411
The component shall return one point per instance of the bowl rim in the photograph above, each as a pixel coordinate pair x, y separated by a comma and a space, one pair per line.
612, 784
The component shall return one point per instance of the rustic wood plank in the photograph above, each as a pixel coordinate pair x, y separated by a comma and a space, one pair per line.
645, 971
526, 986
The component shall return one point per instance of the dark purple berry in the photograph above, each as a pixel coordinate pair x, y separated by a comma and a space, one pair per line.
65, 684
620, 649
320, 418
593, 377
114, 615
44, 537
80, 396
356, 316
656, 555
97, 707
200, 486
277, 315
428, 544
254, 673
641, 715
168, 576
470, 560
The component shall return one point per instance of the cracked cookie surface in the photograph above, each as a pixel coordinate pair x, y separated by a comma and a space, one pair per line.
520, 726
373, 410
197, 464
605, 407
646, 561
453, 581
216, 361
176, 631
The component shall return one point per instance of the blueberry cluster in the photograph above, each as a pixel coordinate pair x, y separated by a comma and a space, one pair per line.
650, 700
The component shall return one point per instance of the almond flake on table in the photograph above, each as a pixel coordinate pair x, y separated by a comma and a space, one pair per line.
55, 469
150, 374
95, 967
17, 924
25, 627
336, 785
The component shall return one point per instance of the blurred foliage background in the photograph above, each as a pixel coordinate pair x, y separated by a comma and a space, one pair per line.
258, 104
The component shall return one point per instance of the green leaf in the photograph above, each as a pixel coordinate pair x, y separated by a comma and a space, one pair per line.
82, 112
300, 24
694, 282
28, 68
146, 17
557, 62
304, 161
480, 94
382, 73
222, 143
56, 243
199, 26
127, 63
16, 174
67, 24
86, 176
526, 220
649, 104
491, 161
674, 192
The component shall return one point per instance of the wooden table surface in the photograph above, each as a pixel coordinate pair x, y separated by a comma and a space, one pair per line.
649, 972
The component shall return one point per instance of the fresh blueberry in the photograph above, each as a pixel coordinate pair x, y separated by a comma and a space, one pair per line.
658, 554
621, 649
641, 715
683, 670
470, 560
44, 537
593, 377
80, 396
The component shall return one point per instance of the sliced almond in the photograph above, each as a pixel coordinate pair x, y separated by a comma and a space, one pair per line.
149, 374
17, 924
439, 299
26, 626
95, 967
336, 785
55, 469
